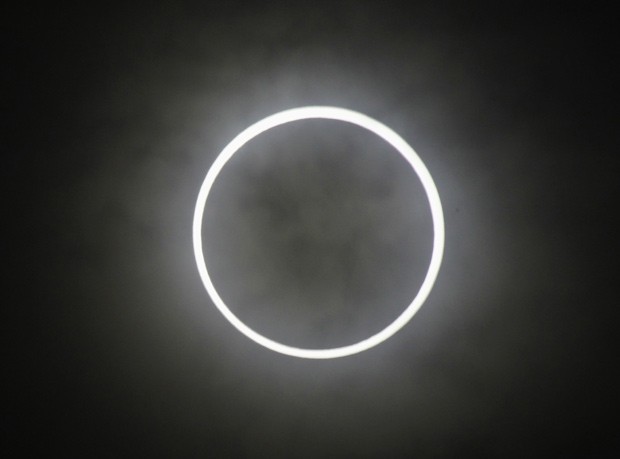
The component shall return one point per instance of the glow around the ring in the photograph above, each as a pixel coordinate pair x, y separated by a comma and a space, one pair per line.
387, 134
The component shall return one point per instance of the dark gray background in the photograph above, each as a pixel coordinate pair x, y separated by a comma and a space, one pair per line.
317, 233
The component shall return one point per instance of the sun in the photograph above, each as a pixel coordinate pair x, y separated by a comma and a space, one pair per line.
379, 129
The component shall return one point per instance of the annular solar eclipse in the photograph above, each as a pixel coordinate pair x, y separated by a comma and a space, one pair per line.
391, 137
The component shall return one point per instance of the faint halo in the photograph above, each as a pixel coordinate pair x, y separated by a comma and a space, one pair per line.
391, 137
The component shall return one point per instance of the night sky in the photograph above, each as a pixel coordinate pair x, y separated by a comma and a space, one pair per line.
317, 233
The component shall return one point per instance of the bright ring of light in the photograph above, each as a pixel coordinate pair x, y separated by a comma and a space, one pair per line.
391, 137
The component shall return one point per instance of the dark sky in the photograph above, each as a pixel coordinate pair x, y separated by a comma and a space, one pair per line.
318, 234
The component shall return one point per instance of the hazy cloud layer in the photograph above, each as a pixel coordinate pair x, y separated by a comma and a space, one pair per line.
317, 233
